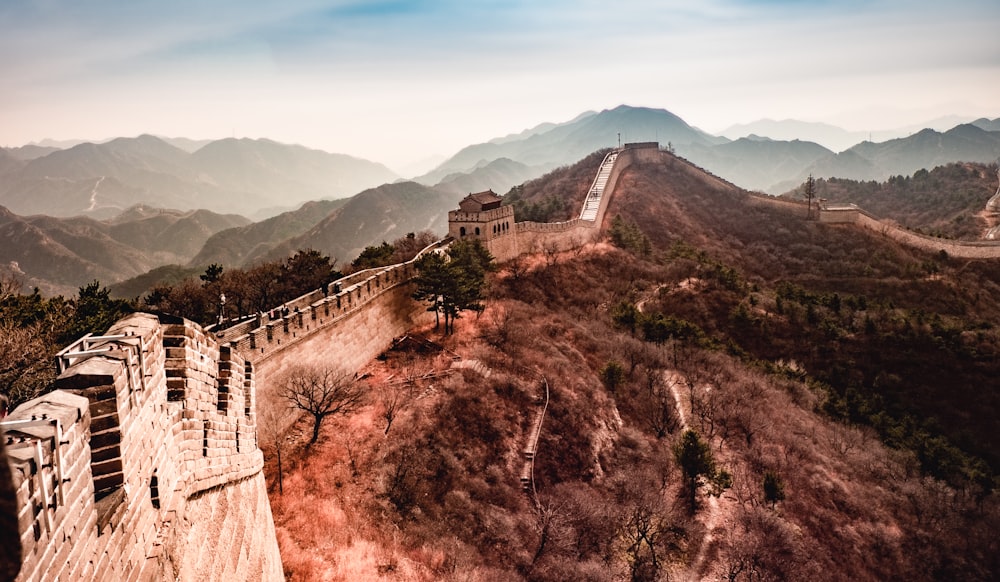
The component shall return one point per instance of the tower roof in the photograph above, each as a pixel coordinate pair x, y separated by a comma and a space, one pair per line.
480, 201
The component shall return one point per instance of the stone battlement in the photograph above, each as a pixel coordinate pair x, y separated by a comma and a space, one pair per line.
316, 310
141, 421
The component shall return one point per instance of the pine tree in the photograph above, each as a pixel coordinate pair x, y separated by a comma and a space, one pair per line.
695, 459
810, 191
454, 283
774, 488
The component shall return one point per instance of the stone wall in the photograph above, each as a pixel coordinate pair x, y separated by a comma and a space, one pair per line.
534, 237
145, 424
348, 341
859, 217
346, 324
236, 517
954, 248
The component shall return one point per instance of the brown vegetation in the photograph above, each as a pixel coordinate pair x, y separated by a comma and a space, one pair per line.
438, 497
755, 327
557, 196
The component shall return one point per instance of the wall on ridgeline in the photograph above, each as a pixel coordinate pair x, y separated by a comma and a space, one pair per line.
350, 321
113, 468
536, 237
834, 214
954, 248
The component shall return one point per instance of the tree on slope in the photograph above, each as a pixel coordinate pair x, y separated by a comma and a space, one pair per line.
695, 458
810, 193
321, 392
453, 283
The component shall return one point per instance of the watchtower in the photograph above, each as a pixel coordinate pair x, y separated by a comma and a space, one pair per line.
481, 216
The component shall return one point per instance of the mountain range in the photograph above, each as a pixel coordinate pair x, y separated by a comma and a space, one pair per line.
754, 162
251, 177
549, 145
114, 182
836, 138
57, 255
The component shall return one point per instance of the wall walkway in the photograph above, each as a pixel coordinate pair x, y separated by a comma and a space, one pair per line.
534, 237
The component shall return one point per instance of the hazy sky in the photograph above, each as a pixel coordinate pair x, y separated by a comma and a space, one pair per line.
396, 81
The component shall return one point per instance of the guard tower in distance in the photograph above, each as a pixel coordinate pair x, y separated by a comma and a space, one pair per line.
481, 216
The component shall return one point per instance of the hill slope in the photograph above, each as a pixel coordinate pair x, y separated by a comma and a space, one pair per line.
946, 202
375, 215
923, 150
57, 255
790, 346
240, 245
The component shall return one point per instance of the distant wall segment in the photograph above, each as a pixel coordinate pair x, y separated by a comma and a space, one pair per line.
954, 248
853, 215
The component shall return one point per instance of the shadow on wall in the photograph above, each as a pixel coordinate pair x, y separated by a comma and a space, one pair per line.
10, 541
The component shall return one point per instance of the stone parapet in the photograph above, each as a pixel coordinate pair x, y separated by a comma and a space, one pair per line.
141, 421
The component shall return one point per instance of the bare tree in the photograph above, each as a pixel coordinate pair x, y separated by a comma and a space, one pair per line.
551, 251
553, 528
502, 328
25, 361
321, 392
272, 426
659, 410
517, 267
10, 285
394, 398
645, 532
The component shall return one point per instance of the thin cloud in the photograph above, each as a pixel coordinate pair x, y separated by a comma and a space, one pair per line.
358, 76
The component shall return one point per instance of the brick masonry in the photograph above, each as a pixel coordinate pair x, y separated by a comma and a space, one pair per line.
121, 470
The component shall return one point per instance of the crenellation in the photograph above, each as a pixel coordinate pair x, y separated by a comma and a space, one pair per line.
132, 443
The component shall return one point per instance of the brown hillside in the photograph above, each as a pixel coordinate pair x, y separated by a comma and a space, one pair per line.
792, 348
558, 195
862, 308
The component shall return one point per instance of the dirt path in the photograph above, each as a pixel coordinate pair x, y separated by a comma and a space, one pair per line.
717, 511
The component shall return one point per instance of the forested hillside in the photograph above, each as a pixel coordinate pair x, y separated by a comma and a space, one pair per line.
947, 201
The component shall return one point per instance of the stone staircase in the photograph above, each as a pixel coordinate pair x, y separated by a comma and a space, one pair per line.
531, 447
593, 200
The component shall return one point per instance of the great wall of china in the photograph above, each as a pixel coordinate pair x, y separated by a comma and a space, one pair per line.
143, 463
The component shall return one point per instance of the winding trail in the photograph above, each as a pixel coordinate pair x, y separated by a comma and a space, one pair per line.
93, 194
714, 514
